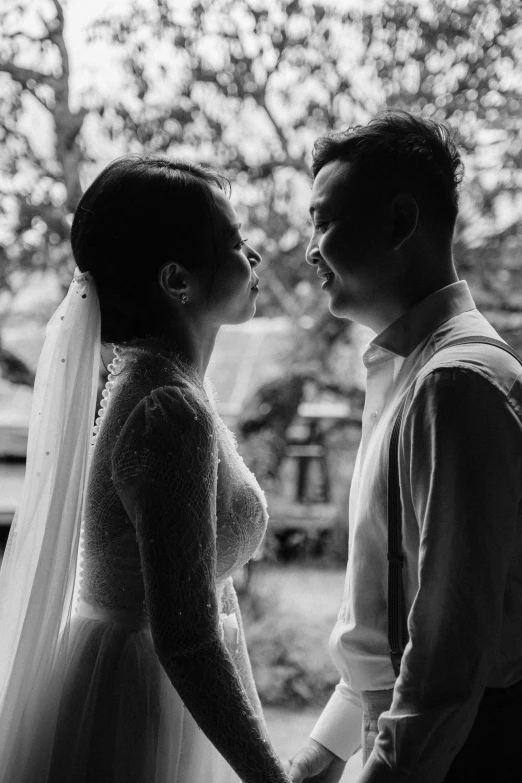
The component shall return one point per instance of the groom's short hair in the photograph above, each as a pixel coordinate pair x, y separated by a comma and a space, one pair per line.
398, 150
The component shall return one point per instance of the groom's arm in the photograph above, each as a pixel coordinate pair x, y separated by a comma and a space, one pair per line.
339, 726
463, 454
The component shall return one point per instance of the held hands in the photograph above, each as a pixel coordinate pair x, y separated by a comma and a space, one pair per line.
316, 764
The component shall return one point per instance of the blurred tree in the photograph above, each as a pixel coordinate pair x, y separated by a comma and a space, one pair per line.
14, 369
270, 412
247, 86
39, 188
461, 62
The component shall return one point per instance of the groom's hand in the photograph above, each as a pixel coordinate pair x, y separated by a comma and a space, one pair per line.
316, 764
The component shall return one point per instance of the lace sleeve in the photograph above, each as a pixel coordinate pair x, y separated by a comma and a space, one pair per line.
165, 470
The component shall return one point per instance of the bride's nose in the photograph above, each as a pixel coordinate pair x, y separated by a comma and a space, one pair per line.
254, 257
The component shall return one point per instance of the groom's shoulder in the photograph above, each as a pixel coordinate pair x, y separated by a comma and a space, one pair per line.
494, 364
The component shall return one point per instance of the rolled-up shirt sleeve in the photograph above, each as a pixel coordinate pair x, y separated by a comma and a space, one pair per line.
461, 455
339, 725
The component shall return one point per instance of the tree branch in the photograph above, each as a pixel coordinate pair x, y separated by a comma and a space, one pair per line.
25, 36
38, 98
284, 298
29, 151
59, 14
282, 138
56, 35
25, 75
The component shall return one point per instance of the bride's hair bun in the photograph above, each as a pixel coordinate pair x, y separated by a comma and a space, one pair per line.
141, 211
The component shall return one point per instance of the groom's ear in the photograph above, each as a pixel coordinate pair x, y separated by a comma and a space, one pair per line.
404, 216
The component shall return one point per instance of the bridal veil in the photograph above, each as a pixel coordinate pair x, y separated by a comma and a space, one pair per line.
38, 577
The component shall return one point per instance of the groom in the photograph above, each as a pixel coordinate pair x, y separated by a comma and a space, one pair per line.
384, 205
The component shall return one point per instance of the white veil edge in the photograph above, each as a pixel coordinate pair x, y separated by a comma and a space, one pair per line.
38, 575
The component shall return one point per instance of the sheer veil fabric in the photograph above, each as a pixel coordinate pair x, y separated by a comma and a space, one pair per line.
38, 572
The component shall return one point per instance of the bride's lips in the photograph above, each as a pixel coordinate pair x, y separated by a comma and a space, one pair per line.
255, 287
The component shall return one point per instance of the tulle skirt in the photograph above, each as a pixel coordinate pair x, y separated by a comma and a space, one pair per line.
120, 719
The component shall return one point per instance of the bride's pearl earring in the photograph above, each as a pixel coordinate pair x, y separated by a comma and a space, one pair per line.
184, 299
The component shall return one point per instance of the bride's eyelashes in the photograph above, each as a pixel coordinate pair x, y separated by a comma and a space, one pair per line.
241, 243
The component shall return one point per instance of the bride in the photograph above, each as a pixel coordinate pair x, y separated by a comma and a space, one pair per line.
122, 654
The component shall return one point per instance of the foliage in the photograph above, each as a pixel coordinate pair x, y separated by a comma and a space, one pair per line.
255, 83
288, 651
251, 87
247, 85
40, 189
286, 665
460, 62
14, 369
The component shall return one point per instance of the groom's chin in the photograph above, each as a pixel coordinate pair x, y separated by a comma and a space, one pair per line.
338, 308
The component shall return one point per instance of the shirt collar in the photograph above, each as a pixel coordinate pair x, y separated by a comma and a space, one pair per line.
421, 320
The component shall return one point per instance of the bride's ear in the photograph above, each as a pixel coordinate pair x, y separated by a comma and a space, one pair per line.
404, 216
175, 280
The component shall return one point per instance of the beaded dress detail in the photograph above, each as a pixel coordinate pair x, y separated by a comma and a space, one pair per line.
159, 687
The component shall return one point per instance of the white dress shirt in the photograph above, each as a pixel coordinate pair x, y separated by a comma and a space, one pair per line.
460, 472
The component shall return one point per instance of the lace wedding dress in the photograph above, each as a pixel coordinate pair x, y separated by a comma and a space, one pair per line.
156, 643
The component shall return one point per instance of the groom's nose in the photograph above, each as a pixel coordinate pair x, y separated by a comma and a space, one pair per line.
312, 254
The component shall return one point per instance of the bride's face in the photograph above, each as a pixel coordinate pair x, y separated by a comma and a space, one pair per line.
233, 291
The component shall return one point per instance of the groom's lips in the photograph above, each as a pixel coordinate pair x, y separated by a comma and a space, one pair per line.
327, 275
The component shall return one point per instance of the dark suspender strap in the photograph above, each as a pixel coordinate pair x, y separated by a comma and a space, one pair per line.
396, 603
397, 619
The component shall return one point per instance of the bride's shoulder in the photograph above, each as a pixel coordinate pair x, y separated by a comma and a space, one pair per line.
176, 406
169, 425
160, 398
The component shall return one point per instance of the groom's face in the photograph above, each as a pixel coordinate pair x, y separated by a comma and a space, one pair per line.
347, 243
